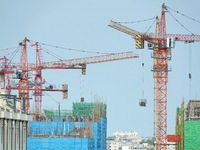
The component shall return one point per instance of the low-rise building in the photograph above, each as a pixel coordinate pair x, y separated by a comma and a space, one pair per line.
127, 141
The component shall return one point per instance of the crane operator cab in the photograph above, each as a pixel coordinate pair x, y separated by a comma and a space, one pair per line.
143, 102
19, 74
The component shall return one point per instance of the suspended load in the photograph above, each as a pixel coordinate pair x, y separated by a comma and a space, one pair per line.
143, 102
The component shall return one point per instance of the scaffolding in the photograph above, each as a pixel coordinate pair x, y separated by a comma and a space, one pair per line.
92, 110
188, 125
57, 113
180, 116
85, 121
70, 132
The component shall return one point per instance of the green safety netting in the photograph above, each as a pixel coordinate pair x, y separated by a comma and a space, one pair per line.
55, 113
87, 109
192, 135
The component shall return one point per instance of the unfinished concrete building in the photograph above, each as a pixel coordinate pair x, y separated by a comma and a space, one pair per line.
193, 110
13, 122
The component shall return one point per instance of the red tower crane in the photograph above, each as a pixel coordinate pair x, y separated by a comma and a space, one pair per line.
77, 63
23, 82
161, 43
38, 81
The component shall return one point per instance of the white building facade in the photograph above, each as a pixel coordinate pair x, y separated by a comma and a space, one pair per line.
126, 141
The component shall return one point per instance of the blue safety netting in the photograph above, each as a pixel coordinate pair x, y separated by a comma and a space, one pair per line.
60, 144
52, 129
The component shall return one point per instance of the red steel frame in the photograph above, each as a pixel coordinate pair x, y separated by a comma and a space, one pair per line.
23, 82
161, 79
38, 82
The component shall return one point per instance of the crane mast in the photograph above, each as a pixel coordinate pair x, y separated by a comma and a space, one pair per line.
155, 50
38, 81
160, 70
161, 43
23, 82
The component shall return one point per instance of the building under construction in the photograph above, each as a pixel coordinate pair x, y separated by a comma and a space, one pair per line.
188, 126
82, 128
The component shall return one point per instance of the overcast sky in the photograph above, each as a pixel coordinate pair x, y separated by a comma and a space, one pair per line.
83, 25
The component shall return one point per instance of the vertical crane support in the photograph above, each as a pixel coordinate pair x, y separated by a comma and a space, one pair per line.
23, 82
155, 50
38, 81
161, 79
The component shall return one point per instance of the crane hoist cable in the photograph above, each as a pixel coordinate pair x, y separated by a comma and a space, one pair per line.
168, 8
143, 101
190, 70
6, 49
180, 23
82, 87
139, 21
13, 55
150, 25
69, 49
183, 15
142, 74
8, 55
52, 54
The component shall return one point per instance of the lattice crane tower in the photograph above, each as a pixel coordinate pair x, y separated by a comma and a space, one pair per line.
161, 43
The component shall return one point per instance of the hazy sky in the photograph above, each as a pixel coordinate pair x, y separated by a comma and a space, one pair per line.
82, 25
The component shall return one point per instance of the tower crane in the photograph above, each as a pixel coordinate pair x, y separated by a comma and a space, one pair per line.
161, 43
76, 63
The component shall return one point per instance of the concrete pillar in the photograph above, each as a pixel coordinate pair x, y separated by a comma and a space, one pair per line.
5, 133
20, 135
17, 135
9, 122
13, 134
1, 133
24, 134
